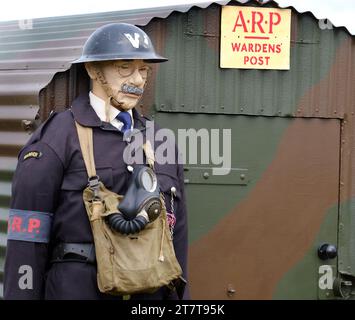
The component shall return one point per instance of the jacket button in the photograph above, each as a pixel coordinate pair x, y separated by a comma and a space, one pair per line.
173, 190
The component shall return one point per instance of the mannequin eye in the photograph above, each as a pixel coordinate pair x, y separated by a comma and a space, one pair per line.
145, 71
125, 70
124, 66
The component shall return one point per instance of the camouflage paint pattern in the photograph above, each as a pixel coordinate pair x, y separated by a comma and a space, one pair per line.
292, 132
261, 239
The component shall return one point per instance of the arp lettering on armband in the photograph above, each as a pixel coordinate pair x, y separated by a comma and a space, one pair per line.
32, 226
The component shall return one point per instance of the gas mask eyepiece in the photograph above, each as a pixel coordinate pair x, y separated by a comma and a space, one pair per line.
141, 203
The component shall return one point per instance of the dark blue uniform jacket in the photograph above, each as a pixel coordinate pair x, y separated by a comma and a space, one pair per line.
49, 179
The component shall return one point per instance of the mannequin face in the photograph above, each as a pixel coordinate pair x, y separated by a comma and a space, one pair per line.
125, 79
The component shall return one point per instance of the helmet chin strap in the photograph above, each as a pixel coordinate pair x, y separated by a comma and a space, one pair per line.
104, 84
115, 103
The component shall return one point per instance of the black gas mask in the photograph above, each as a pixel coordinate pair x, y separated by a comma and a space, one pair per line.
140, 205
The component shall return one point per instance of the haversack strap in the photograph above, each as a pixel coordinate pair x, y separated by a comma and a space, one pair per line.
86, 145
149, 153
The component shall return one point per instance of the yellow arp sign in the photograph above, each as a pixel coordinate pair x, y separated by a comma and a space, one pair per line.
255, 38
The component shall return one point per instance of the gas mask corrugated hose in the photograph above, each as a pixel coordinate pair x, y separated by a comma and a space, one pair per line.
140, 205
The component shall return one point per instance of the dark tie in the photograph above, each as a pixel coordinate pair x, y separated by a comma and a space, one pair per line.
126, 119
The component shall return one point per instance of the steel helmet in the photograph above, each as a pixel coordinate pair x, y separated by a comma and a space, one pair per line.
118, 41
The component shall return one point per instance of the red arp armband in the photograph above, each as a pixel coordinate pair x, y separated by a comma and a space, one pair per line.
28, 225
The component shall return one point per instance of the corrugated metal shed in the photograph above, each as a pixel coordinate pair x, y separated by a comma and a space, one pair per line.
332, 10
199, 85
31, 55
54, 42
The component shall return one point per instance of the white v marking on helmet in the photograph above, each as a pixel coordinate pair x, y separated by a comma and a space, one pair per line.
146, 41
134, 41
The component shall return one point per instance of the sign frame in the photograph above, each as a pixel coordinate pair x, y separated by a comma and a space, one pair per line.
255, 38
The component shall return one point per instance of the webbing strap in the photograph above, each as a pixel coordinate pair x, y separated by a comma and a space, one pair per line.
87, 148
149, 154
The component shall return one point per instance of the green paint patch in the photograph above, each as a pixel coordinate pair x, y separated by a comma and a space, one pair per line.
3, 226
4, 201
346, 237
6, 175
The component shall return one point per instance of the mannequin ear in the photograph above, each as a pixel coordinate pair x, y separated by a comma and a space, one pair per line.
91, 70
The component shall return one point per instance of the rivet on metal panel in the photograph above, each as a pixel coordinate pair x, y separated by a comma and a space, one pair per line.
279, 112
335, 111
202, 106
230, 290
182, 106
206, 175
261, 110
186, 180
222, 107
241, 109
317, 110
162, 106
242, 176
299, 110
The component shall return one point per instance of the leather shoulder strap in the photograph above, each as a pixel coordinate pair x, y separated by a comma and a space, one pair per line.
149, 153
87, 148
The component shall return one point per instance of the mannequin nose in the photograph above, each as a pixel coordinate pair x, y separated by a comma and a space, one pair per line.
136, 78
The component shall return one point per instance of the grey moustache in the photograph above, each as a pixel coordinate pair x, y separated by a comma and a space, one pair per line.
132, 90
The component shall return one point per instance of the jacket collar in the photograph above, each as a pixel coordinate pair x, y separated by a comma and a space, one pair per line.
85, 114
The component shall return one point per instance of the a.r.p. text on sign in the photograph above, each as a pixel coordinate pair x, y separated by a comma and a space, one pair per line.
255, 38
